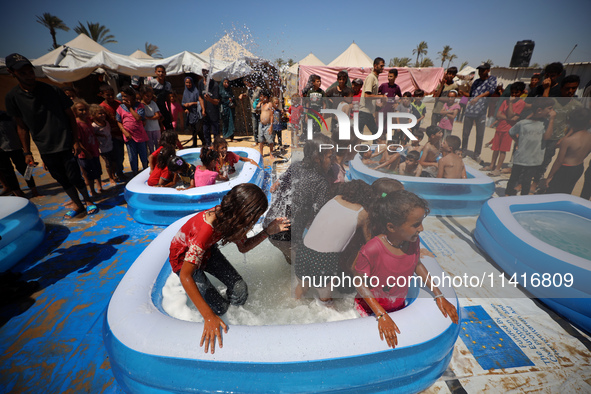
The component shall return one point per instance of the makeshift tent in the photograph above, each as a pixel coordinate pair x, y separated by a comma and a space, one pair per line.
140, 55
87, 46
227, 50
467, 71
352, 57
409, 79
290, 76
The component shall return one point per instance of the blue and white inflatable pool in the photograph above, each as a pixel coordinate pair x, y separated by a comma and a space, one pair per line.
460, 197
160, 205
21, 230
543, 242
150, 351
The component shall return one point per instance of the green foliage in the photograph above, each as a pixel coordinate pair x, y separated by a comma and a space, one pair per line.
153, 50
97, 32
52, 22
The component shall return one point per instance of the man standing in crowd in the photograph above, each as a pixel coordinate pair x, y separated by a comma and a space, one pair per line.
162, 88
447, 83
44, 112
369, 94
483, 87
211, 96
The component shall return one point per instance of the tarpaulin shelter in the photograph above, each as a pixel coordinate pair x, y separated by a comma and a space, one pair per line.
227, 50
409, 79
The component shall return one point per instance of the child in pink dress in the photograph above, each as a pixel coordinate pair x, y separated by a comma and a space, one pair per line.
393, 256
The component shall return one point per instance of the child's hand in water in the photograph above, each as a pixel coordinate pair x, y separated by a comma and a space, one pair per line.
211, 331
278, 225
447, 309
388, 329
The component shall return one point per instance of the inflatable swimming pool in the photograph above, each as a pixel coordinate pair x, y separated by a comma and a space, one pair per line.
21, 229
164, 205
553, 265
150, 351
461, 197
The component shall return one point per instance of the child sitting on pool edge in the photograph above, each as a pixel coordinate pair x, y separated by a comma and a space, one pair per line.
183, 172
395, 252
194, 251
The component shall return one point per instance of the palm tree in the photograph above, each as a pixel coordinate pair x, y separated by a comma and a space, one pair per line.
52, 22
153, 50
444, 55
420, 51
400, 62
450, 58
290, 62
279, 62
489, 62
426, 62
97, 32
464, 64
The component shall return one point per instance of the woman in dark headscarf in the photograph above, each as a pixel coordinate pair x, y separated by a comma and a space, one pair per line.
228, 111
193, 105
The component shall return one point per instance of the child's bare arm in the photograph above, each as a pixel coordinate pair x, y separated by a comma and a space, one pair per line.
386, 326
550, 129
446, 308
389, 161
559, 159
441, 168
123, 130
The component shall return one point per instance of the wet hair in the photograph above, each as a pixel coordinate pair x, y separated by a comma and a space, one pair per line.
166, 153
406, 94
312, 153
579, 119
454, 142
384, 186
265, 93
146, 89
413, 155
168, 137
239, 211
452, 70
393, 71
208, 156
355, 191
394, 208
572, 78
342, 74
105, 87
432, 130
541, 103
218, 142
377, 61
419, 133
94, 109
517, 86
419, 93
128, 90
554, 68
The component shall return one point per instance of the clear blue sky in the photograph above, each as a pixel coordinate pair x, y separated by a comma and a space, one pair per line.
476, 31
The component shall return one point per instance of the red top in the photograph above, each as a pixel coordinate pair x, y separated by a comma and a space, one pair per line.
87, 140
504, 124
158, 173
111, 117
375, 260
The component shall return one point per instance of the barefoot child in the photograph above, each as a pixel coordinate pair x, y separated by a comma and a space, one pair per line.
194, 251
451, 165
110, 106
449, 112
102, 132
568, 167
130, 118
507, 115
395, 252
153, 118
266, 121
430, 152
88, 158
411, 166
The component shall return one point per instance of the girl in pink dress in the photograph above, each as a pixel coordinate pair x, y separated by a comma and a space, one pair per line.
391, 258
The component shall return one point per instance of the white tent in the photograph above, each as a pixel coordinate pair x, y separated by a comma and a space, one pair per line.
467, 71
140, 55
310, 60
352, 57
226, 49
87, 46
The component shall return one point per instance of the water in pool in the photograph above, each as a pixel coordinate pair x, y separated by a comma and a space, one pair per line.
563, 230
